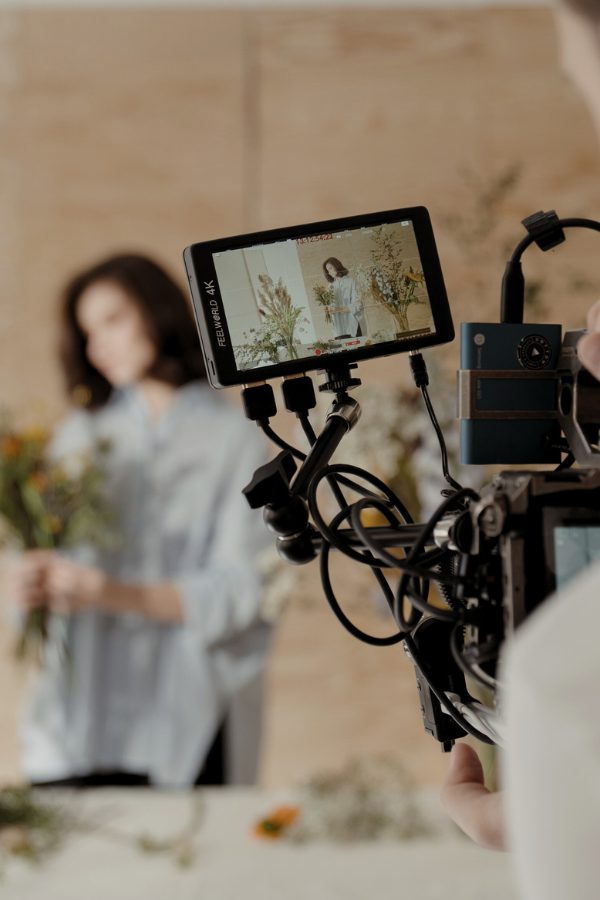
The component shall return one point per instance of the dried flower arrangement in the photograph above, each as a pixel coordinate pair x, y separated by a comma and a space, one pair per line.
391, 284
324, 297
279, 326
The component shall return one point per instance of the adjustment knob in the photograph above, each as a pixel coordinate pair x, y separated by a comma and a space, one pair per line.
271, 482
291, 518
299, 549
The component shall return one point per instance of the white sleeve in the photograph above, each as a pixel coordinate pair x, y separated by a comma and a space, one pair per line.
223, 598
552, 763
354, 304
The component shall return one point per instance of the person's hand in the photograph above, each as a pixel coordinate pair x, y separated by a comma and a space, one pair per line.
26, 579
72, 587
588, 348
475, 810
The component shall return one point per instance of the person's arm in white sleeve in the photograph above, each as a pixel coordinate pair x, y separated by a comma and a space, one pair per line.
354, 304
552, 762
223, 597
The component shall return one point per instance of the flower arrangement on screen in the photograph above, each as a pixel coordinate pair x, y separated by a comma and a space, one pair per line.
44, 505
281, 321
388, 281
324, 297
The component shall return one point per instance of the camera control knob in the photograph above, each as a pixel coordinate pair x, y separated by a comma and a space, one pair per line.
492, 516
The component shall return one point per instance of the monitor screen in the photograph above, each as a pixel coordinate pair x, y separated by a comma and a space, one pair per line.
302, 297
575, 547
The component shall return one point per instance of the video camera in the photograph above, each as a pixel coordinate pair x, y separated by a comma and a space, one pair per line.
328, 295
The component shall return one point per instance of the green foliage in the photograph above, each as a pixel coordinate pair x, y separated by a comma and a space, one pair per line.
325, 346
29, 828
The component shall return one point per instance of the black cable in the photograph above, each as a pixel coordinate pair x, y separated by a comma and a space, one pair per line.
460, 661
377, 550
333, 537
441, 695
307, 428
368, 540
447, 504
332, 480
445, 615
283, 444
325, 530
445, 468
332, 600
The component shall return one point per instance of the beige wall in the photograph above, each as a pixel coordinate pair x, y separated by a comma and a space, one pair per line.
152, 129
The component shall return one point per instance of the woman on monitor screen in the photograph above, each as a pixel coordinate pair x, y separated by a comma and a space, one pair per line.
347, 314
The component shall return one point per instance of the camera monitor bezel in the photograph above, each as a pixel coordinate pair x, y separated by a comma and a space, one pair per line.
212, 323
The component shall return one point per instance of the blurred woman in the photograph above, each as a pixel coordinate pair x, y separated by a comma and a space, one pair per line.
164, 636
347, 313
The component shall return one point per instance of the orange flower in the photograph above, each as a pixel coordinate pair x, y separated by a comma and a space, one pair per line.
38, 480
10, 445
275, 824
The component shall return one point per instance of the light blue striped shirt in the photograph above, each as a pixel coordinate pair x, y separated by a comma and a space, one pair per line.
138, 695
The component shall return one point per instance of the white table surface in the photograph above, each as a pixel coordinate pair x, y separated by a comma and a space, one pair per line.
231, 864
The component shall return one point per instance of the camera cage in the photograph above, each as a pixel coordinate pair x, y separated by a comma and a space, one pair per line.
472, 547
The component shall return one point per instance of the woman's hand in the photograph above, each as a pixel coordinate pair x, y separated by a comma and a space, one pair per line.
44, 578
465, 798
72, 587
26, 579
337, 309
588, 348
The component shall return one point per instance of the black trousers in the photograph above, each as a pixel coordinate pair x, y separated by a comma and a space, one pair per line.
342, 337
212, 773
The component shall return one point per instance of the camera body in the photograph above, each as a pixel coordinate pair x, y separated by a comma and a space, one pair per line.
530, 533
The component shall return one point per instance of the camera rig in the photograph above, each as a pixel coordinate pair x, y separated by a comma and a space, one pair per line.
494, 555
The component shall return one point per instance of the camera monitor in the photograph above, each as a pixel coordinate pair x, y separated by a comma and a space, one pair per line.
286, 301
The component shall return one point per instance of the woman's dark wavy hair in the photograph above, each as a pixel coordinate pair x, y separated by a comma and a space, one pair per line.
166, 314
337, 265
590, 8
